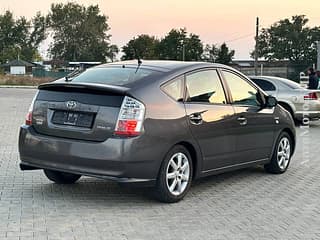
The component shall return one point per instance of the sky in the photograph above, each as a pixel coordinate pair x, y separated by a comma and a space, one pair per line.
230, 21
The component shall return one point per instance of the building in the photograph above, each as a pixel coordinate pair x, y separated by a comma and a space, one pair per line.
18, 67
267, 68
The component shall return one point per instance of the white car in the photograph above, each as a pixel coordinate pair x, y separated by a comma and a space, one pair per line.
302, 103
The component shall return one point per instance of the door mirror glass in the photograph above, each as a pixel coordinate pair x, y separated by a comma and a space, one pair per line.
271, 101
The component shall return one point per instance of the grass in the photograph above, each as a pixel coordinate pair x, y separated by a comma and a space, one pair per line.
23, 80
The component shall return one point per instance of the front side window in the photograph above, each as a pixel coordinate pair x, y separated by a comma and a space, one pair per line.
206, 87
242, 92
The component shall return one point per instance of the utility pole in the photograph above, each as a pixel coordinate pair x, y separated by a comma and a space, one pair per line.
318, 54
256, 49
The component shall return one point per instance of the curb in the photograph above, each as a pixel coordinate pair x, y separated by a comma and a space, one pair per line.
18, 86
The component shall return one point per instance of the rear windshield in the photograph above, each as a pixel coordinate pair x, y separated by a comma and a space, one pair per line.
113, 75
289, 83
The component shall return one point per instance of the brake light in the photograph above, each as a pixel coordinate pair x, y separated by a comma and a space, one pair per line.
311, 96
29, 118
130, 119
29, 114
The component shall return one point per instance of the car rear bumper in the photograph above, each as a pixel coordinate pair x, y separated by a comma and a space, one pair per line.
312, 115
114, 159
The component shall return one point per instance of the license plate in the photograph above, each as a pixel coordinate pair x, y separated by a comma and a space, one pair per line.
73, 118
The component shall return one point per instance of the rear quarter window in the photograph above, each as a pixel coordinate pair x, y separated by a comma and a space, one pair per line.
264, 85
174, 88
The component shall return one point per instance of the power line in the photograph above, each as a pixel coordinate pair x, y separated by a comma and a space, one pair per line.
240, 37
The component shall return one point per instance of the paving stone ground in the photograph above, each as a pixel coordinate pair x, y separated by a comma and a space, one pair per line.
246, 204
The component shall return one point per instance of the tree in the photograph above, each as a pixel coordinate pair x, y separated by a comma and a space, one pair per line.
289, 40
221, 54
193, 48
210, 53
176, 45
112, 52
79, 32
144, 46
20, 37
224, 55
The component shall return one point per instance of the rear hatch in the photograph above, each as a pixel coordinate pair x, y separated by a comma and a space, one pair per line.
77, 110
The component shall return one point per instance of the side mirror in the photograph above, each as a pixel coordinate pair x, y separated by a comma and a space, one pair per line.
271, 101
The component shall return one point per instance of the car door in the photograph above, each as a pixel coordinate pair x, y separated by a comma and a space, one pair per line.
254, 125
210, 117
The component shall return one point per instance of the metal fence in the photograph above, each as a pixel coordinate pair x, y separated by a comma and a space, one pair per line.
40, 72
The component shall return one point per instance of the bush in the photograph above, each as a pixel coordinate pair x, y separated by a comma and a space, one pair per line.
23, 80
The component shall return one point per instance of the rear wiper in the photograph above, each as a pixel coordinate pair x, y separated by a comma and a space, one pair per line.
71, 75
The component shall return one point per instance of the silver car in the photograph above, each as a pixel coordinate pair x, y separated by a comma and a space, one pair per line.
302, 103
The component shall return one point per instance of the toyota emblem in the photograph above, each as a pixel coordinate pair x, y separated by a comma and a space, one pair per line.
71, 104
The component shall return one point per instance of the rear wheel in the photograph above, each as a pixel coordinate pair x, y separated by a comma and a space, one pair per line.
61, 177
175, 175
281, 155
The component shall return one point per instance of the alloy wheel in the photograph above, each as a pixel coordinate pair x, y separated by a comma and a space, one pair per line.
284, 153
178, 173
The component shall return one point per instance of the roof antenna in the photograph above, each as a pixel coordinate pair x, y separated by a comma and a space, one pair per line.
139, 60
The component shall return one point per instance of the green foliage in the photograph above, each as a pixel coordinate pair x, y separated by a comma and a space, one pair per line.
113, 50
79, 33
174, 46
20, 37
144, 46
224, 56
177, 45
289, 39
221, 54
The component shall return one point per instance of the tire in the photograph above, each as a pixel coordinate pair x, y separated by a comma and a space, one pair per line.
61, 177
175, 175
281, 155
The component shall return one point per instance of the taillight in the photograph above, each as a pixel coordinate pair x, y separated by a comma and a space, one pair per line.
130, 118
29, 114
311, 96
29, 118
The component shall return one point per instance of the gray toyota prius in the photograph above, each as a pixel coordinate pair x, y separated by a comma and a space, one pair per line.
154, 123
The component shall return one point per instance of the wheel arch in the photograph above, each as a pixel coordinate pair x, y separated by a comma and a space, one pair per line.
286, 105
292, 136
195, 157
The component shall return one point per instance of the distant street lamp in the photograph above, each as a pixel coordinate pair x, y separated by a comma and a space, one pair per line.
183, 52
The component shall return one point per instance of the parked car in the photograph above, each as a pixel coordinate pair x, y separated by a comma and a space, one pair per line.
300, 102
156, 123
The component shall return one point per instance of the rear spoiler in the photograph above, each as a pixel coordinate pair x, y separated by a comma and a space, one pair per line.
83, 86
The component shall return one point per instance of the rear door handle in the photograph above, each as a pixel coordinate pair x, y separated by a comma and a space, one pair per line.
243, 121
195, 118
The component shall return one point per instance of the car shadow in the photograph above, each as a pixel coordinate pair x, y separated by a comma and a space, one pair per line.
91, 191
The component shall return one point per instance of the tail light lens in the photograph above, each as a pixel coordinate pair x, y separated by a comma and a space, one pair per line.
29, 114
311, 96
130, 119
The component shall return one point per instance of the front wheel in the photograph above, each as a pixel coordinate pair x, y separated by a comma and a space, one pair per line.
281, 155
61, 177
175, 175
